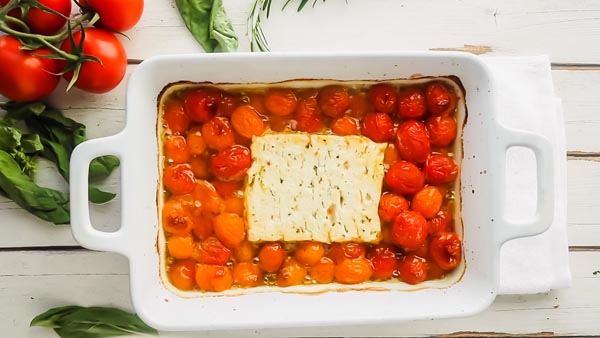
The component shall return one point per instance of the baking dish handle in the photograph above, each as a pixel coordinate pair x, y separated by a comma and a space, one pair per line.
81, 225
544, 214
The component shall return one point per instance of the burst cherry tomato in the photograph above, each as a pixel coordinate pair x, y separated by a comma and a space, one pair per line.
410, 230
412, 269
182, 274
391, 205
176, 150
378, 127
247, 274
215, 278
247, 122
291, 273
218, 134
179, 179
334, 100
232, 163
446, 249
271, 256
412, 103
23, 75
97, 77
201, 104
442, 222
428, 201
353, 271
442, 130
412, 141
323, 272
212, 251
440, 100
117, 15
230, 229
342, 251
440, 169
308, 115
384, 98
404, 178
309, 252
176, 220
280, 101
175, 118
383, 260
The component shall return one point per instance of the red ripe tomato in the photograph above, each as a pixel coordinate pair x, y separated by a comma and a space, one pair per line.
175, 118
404, 178
442, 130
384, 98
442, 222
42, 22
428, 201
383, 260
228, 104
378, 127
410, 230
440, 100
391, 205
412, 141
211, 251
232, 163
411, 103
117, 15
334, 100
202, 104
179, 179
23, 75
440, 169
97, 77
446, 249
412, 269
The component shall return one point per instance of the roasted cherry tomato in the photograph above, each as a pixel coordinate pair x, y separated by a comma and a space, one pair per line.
334, 100
291, 273
440, 100
230, 229
359, 105
231, 164
247, 274
271, 256
213, 277
353, 271
202, 225
182, 274
280, 101
428, 201
195, 142
234, 205
410, 230
440, 169
308, 115
323, 272
342, 251
378, 127
344, 126
179, 179
391, 154
212, 251
208, 197
176, 150
175, 118
309, 252
199, 166
176, 220
218, 134
247, 122
412, 103
391, 205
384, 98
442, 222
227, 189
117, 15
412, 269
404, 178
442, 130
201, 104
412, 141
446, 249
180, 247
383, 260
245, 252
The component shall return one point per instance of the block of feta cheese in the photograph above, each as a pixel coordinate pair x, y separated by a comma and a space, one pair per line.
324, 188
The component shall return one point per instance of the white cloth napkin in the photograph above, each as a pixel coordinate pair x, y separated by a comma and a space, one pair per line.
526, 93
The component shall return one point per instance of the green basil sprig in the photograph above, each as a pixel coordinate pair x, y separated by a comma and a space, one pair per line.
92, 322
209, 24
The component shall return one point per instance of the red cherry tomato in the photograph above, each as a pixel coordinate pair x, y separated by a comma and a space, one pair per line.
442, 130
308, 115
442, 222
211, 251
383, 260
404, 178
378, 127
334, 100
175, 118
391, 205
384, 98
179, 179
412, 103
410, 230
218, 133
440, 169
428, 201
228, 104
118, 15
232, 163
342, 251
41, 22
202, 104
412, 269
412, 142
446, 249
97, 77
23, 75
440, 100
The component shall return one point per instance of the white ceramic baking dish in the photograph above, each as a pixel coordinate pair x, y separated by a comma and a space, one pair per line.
482, 181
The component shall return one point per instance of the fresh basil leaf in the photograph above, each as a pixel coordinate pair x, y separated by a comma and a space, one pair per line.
209, 24
10, 138
21, 110
98, 196
102, 167
31, 143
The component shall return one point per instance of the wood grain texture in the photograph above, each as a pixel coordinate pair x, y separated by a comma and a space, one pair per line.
32, 282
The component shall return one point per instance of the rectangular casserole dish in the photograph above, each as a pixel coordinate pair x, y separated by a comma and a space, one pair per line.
485, 227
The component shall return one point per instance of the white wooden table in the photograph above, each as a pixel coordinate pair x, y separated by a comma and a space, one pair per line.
41, 266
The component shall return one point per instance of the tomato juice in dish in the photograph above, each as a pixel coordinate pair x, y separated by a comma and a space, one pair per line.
310, 182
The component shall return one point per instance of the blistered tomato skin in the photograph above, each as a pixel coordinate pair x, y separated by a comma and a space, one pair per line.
353, 271
201, 105
412, 142
413, 269
232, 163
442, 222
176, 150
440, 100
404, 178
446, 249
411, 103
212, 251
176, 119
383, 97
442, 130
176, 220
390, 206
280, 101
342, 251
410, 230
308, 115
383, 260
218, 133
179, 179
428, 201
440, 169
334, 100
378, 127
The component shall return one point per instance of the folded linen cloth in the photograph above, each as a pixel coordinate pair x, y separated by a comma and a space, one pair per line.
526, 94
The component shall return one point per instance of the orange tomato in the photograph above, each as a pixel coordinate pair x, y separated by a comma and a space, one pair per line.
309, 252
211, 251
428, 201
271, 256
292, 273
345, 126
202, 225
207, 195
230, 229
179, 179
175, 118
334, 100
227, 189
391, 205
218, 134
247, 274
195, 141
199, 166
342, 251
215, 278
391, 154
176, 220
323, 272
235, 205
353, 271
180, 247
308, 116
280, 101
176, 150
244, 252
231, 164
256, 101
182, 273
247, 122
